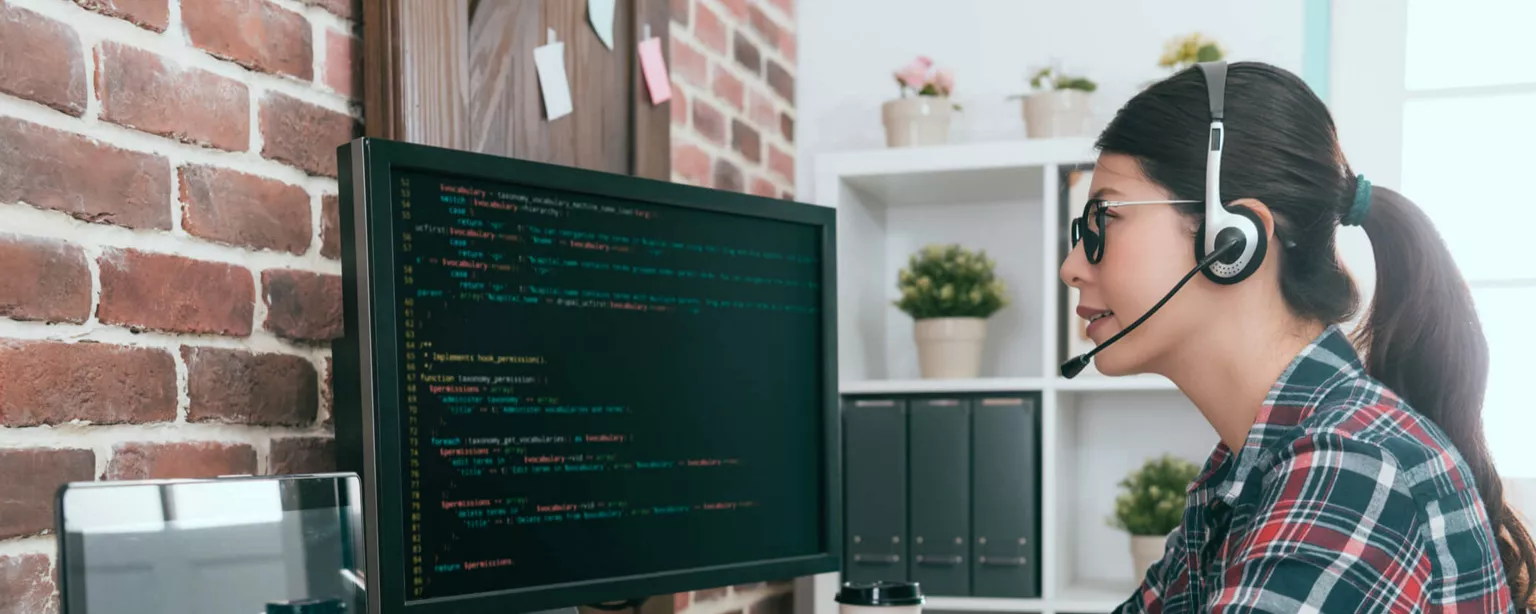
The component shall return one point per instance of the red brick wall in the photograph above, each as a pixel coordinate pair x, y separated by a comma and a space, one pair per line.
733, 80
169, 279
733, 128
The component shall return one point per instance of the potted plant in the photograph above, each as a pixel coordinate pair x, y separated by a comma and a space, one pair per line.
1059, 104
1151, 505
950, 292
920, 116
1182, 52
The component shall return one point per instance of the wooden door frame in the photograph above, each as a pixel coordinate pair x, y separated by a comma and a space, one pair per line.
416, 78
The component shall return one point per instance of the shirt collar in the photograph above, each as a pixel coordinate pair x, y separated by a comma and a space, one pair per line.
1329, 360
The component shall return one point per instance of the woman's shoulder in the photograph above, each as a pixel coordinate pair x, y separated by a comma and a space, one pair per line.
1364, 463
1364, 413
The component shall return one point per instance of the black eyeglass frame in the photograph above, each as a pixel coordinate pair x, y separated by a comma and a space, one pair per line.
1093, 242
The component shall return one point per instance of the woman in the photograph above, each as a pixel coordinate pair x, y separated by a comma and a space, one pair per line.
1343, 481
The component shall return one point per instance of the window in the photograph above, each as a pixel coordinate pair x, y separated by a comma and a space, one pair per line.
1469, 90
1440, 93
1508, 415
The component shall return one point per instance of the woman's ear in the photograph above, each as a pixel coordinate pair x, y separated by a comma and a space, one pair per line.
1262, 210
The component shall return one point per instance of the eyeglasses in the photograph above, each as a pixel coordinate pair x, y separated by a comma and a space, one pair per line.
1089, 229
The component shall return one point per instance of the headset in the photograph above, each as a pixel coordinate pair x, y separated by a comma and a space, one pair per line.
1221, 224
1229, 245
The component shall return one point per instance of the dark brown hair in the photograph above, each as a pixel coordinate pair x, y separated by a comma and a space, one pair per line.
1422, 337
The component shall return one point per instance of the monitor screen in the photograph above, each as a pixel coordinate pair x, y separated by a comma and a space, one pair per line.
596, 385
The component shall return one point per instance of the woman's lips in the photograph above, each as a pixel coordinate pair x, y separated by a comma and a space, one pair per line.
1096, 317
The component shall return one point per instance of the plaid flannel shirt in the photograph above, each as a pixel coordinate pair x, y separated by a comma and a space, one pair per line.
1343, 499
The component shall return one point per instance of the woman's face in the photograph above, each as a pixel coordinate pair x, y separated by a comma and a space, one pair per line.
1147, 250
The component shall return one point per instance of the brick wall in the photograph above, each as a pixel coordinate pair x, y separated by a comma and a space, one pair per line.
733, 107
733, 128
168, 247
169, 278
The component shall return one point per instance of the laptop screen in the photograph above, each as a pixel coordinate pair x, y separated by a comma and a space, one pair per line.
246, 544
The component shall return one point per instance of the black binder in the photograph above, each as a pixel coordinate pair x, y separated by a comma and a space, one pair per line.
875, 487
1006, 505
939, 499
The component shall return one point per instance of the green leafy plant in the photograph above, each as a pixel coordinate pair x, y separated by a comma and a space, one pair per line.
1184, 51
1151, 501
1049, 78
949, 281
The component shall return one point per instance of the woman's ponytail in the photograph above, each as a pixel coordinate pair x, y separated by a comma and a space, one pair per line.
1422, 338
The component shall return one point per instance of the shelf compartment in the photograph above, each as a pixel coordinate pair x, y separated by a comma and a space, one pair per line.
943, 386
965, 172
875, 242
1102, 436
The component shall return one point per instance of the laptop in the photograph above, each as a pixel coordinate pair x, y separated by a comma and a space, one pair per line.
286, 544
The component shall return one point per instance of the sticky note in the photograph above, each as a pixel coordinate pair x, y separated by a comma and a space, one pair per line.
655, 69
600, 13
549, 60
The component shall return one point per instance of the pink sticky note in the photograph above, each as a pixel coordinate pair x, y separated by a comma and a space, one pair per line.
655, 68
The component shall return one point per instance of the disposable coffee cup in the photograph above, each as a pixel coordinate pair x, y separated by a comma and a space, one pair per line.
884, 597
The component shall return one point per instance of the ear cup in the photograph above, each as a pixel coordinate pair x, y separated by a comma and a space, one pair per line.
1233, 268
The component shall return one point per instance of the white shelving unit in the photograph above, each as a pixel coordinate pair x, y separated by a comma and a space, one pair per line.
1006, 198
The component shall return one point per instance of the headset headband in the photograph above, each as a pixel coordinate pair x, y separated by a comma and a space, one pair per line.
1216, 86
1218, 219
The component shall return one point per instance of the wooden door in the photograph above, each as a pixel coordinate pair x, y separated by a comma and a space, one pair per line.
460, 74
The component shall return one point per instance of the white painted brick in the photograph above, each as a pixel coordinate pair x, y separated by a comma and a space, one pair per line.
178, 153
259, 341
318, 51
27, 220
183, 398
38, 544
94, 28
315, 14
101, 438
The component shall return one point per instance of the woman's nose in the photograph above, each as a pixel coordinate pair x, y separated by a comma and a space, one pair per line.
1075, 270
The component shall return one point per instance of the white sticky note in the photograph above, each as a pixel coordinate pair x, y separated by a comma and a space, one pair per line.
600, 13
654, 66
549, 60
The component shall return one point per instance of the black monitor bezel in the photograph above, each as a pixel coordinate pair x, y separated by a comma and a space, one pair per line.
367, 398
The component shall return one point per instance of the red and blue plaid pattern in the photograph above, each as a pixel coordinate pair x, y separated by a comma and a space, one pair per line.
1343, 499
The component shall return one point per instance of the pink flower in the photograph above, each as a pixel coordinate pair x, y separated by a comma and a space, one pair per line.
915, 75
926, 61
945, 80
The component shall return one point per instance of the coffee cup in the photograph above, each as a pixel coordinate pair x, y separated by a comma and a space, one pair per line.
883, 597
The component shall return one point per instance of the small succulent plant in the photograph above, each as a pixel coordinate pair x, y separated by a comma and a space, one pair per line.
949, 281
1151, 501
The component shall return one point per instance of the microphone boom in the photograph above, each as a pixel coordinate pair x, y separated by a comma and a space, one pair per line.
1076, 364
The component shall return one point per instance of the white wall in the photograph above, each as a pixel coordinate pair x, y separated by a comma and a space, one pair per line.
849, 50
1366, 100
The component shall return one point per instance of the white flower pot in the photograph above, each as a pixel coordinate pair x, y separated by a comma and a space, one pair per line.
915, 121
1056, 113
950, 348
1146, 550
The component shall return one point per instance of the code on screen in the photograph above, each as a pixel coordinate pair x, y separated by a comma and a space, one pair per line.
585, 376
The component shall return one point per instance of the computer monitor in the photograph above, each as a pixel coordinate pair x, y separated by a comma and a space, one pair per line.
565, 387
